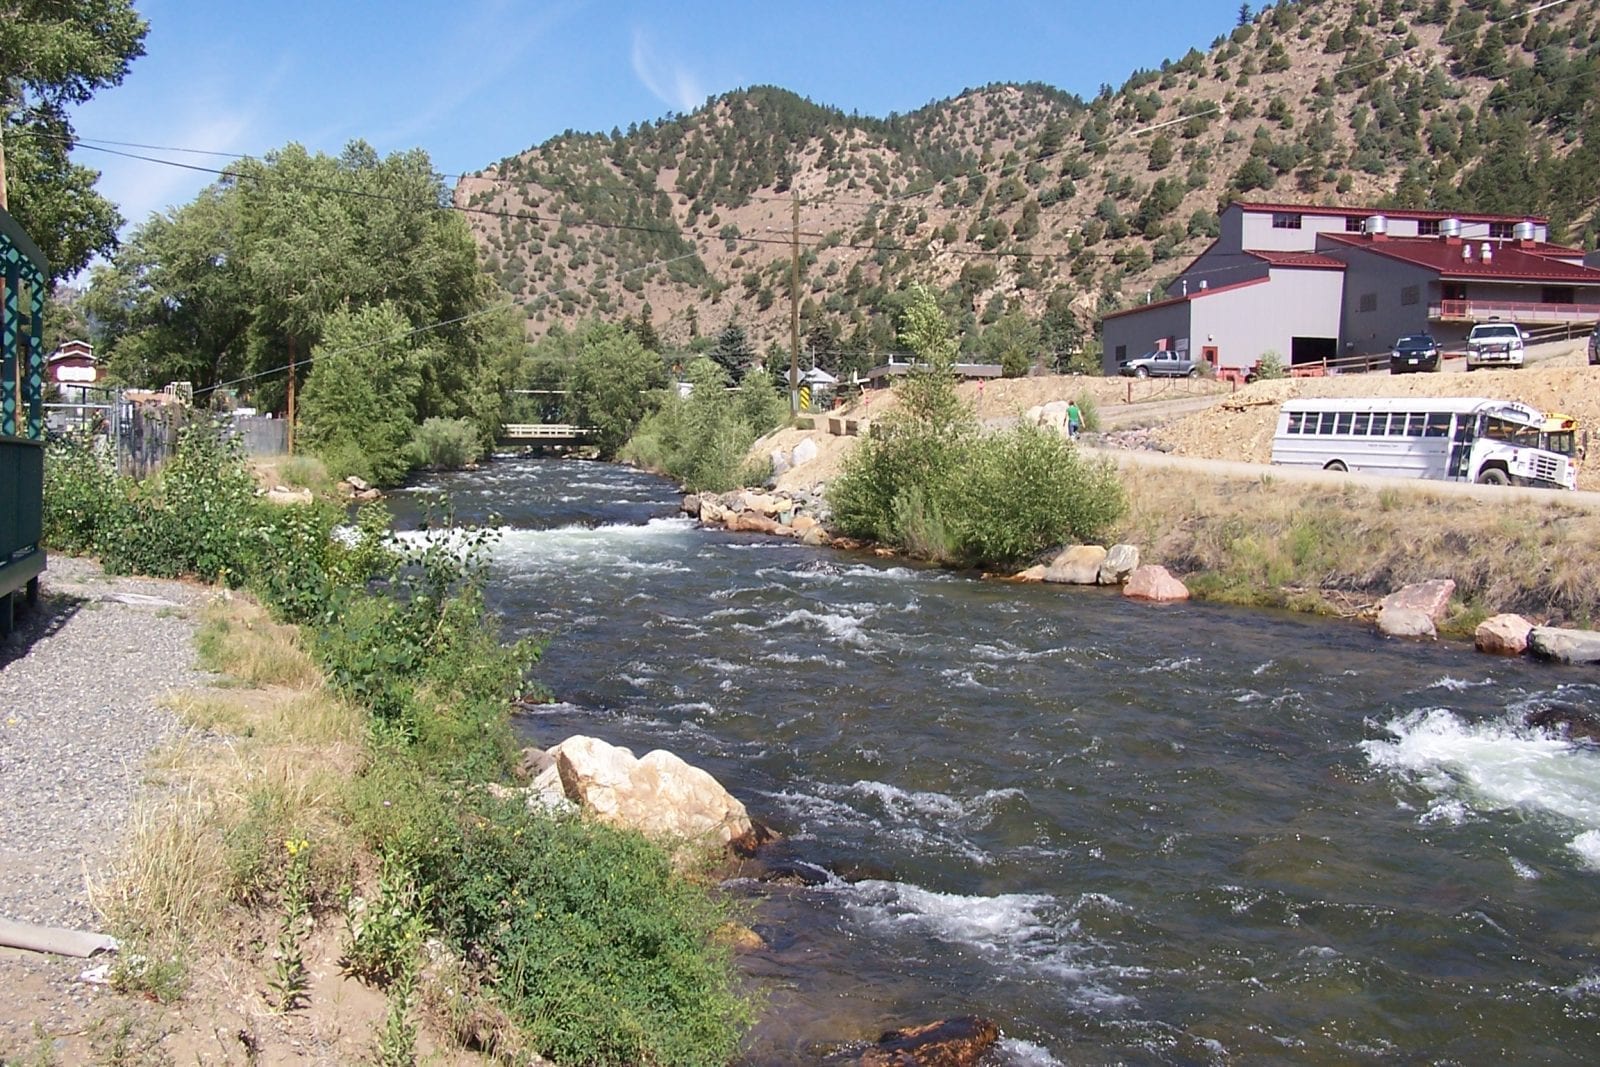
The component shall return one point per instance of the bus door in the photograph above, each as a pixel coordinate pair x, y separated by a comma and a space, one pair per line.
1461, 436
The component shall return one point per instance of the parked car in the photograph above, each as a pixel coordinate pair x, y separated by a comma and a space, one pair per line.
1159, 364
1594, 346
1414, 352
1495, 344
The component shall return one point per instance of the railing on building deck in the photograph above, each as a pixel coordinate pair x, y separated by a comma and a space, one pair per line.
21, 516
1511, 311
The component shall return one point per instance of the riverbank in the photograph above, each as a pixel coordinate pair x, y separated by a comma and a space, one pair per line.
160, 734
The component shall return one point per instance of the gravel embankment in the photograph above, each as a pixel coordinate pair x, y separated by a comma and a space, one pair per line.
80, 688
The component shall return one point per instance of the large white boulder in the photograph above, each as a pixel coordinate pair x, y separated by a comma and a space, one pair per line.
804, 452
1077, 565
659, 795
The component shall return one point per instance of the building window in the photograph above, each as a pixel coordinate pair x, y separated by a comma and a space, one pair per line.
1410, 295
1557, 294
1500, 229
1122, 353
1285, 220
1355, 224
1428, 228
1369, 302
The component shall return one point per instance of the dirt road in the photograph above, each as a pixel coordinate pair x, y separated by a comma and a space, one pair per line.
1257, 471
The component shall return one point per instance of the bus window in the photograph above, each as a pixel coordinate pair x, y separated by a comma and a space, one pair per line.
1514, 433
1558, 441
1363, 419
1327, 422
1416, 424
1380, 423
1438, 424
1341, 422
1295, 419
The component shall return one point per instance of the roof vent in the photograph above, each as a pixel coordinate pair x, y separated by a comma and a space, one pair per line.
1450, 228
1466, 252
1522, 231
1486, 253
1204, 284
1375, 224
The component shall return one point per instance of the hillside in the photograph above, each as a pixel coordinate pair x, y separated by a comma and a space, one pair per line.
1029, 205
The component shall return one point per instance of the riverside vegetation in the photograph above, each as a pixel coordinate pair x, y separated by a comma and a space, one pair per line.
356, 786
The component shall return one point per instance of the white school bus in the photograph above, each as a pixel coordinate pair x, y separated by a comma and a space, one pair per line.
1461, 439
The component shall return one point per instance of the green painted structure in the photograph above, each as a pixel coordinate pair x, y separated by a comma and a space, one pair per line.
26, 281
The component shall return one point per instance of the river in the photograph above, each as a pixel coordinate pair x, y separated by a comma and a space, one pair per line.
1128, 833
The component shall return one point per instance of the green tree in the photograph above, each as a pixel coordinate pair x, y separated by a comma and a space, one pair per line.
611, 385
356, 412
55, 54
1012, 342
733, 351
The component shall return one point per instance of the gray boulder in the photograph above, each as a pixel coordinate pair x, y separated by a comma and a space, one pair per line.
1405, 622
1565, 646
1120, 562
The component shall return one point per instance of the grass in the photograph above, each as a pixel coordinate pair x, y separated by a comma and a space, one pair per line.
238, 639
1273, 542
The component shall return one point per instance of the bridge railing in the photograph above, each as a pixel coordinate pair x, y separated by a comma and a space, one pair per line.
543, 431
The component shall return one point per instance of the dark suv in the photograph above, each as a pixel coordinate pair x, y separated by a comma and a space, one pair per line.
1415, 352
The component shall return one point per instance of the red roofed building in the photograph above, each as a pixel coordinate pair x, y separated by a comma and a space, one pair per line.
1314, 283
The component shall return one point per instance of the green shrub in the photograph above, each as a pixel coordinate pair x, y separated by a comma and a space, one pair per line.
1027, 488
446, 444
702, 439
305, 472
1088, 413
603, 954
1271, 366
195, 516
83, 498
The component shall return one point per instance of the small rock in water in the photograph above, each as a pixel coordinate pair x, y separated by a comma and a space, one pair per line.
1577, 723
958, 1042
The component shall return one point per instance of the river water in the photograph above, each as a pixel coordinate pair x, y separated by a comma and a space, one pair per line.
1127, 833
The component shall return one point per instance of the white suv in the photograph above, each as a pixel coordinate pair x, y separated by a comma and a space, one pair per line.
1494, 344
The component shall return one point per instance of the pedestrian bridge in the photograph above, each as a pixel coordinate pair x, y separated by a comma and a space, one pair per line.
544, 433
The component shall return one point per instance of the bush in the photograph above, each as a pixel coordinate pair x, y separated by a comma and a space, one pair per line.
83, 497
1088, 413
446, 444
1027, 488
1271, 366
603, 955
194, 517
701, 439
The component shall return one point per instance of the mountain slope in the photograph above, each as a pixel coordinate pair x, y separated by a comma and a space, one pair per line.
1025, 199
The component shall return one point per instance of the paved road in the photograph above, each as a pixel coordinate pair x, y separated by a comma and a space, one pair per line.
1254, 471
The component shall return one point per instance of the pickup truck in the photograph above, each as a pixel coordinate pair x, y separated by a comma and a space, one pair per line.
1494, 344
1160, 364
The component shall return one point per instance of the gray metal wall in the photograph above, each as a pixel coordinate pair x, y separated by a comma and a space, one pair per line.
262, 436
1217, 266
1368, 332
1245, 323
1139, 331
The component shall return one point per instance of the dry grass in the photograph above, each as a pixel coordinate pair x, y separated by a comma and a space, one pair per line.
1268, 541
238, 639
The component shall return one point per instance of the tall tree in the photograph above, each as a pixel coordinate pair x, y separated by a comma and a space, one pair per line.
53, 54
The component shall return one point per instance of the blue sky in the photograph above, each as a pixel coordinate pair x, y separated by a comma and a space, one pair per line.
477, 80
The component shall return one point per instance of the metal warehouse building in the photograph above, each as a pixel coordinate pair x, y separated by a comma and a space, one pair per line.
1318, 283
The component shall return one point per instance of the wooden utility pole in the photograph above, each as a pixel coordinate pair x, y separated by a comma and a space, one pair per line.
794, 309
291, 394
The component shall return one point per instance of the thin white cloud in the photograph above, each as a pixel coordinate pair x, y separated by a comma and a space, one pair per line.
670, 82
479, 54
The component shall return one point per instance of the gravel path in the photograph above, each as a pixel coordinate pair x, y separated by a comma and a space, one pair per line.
80, 683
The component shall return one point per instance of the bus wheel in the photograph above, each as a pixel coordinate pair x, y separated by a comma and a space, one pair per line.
1493, 476
1335, 465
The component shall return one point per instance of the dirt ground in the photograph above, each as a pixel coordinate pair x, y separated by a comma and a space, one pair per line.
1239, 424
1241, 427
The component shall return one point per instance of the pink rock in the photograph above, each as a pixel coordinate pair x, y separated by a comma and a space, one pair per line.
1503, 635
1432, 598
1154, 582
